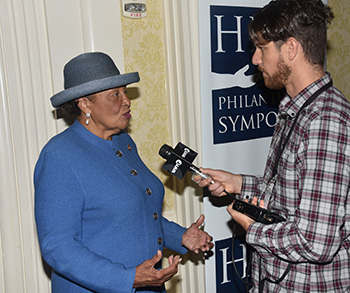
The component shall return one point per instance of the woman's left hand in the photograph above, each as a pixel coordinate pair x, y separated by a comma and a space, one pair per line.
195, 239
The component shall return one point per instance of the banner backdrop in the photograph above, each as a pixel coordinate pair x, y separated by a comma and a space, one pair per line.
238, 119
237, 123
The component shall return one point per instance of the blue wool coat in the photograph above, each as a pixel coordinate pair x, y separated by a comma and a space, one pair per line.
98, 212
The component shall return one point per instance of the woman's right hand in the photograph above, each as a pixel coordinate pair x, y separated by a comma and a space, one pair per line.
146, 275
219, 181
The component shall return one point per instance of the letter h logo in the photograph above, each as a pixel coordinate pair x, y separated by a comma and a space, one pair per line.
227, 279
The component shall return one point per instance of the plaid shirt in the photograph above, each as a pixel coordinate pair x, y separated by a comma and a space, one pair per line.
311, 191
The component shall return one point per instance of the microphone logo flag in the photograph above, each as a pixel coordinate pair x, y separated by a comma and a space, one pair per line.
178, 160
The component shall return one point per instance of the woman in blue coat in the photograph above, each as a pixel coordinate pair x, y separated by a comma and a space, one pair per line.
98, 208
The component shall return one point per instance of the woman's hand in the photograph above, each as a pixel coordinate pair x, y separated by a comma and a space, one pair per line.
195, 239
219, 181
147, 275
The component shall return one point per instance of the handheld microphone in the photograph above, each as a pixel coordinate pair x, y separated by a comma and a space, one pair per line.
179, 161
167, 152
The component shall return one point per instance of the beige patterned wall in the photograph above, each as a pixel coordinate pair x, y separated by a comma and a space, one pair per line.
144, 52
339, 41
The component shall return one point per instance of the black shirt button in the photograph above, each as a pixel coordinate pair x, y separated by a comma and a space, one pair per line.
119, 153
148, 191
133, 172
160, 240
155, 216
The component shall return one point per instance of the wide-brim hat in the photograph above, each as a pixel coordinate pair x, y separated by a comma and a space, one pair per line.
90, 73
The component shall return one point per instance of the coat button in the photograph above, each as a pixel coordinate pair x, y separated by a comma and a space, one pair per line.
119, 153
155, 216
129, 147
133, 172
148, 191
160, 240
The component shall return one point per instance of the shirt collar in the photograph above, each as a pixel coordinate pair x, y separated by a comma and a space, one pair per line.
291, 106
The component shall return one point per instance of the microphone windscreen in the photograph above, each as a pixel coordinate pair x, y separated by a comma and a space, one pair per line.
165, 151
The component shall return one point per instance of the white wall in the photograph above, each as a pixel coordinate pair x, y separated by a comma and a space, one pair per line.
37, 37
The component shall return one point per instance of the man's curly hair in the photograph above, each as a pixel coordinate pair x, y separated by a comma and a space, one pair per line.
305, 20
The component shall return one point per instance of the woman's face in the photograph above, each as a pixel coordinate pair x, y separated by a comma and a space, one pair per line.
109, 110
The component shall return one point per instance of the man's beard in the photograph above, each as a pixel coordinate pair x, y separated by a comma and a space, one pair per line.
278, 79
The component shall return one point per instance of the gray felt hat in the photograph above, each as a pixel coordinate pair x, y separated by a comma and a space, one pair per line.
90, 73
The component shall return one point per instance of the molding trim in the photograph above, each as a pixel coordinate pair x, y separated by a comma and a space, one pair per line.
181, 38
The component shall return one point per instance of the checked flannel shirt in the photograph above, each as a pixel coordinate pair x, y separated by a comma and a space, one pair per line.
311, 191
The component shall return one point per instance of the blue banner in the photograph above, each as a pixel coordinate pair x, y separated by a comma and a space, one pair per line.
239, 97
238, 118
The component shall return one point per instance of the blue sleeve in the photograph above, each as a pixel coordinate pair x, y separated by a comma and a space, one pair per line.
59, 203
173, 236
